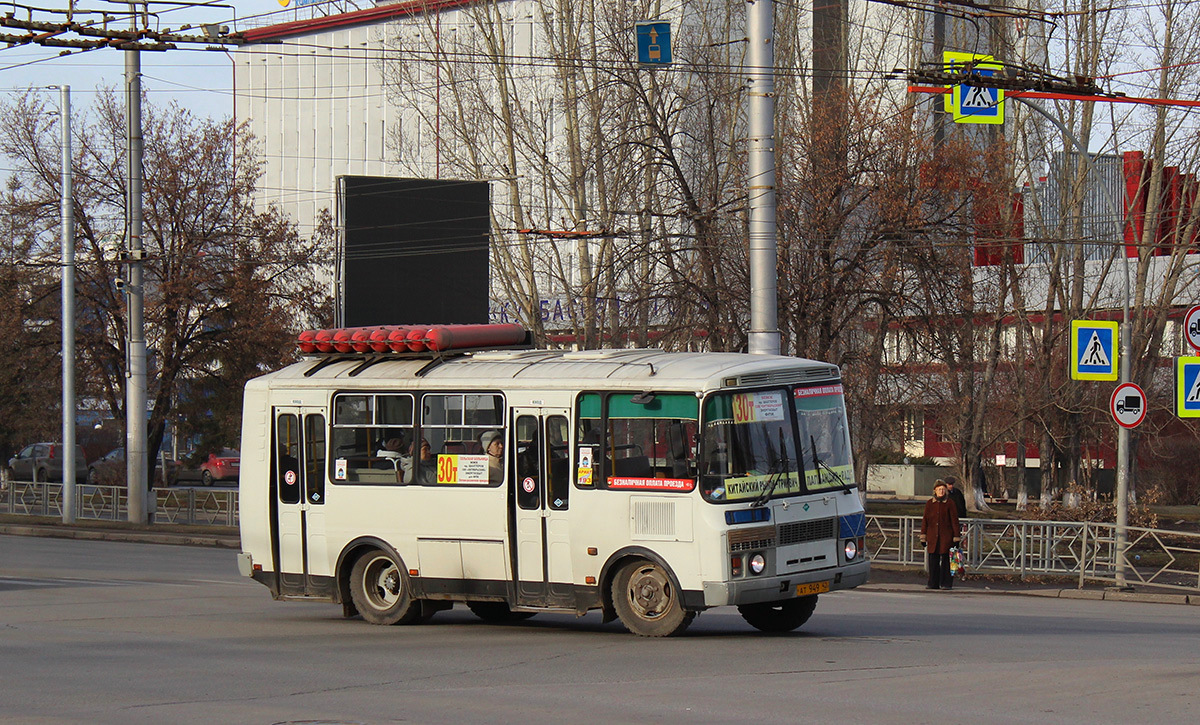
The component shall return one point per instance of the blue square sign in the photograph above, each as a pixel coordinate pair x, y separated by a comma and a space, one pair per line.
977, 101
654, 42
1187, 387
1093, 350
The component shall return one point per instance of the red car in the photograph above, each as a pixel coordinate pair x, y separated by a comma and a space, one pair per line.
221, 466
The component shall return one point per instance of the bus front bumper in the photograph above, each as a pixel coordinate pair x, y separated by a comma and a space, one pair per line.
756, 590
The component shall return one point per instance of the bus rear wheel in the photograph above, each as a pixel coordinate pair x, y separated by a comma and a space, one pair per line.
779, 616
496, 612
379, 589
647, 602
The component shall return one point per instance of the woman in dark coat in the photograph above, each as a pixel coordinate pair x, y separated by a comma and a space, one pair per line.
939, 532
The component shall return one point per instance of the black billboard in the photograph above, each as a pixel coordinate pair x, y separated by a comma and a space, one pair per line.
414, 251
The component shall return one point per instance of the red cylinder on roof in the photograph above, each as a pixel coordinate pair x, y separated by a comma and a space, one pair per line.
455, 337
379, 338
360, 339
324, 340
305, 341
416, 339
396, 339
341, 338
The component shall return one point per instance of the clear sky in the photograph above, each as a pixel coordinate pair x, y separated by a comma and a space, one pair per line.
198, 79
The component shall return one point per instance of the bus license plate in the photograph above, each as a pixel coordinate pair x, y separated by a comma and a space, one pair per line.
803, 590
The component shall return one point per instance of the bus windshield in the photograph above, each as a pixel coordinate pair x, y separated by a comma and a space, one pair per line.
749, 447
750, 444
824, 438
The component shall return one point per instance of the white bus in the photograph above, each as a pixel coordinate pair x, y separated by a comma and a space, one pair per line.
646, 484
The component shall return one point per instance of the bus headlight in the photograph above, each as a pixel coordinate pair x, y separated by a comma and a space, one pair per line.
758, 564
851, 549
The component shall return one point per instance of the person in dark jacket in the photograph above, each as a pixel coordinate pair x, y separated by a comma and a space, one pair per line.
956, 496
939, 532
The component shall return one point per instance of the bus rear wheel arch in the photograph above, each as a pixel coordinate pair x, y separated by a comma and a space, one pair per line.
380, 589
647, 601
778, 617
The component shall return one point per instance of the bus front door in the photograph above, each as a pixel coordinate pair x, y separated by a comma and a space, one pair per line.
539, 471
298, 483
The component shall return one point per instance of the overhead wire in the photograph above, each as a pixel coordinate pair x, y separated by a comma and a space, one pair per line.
542, 62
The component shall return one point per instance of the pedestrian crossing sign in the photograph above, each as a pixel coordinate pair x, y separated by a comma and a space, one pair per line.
1093, 350
1187, 387
973, 104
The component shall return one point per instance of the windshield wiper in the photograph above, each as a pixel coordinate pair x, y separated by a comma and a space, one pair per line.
776, 475
818, 464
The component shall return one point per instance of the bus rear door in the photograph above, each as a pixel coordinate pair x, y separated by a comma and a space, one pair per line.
540, 468
298, 477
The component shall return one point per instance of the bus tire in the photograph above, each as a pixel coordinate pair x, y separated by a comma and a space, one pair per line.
779, 617
380, 591
646, 601
496, 612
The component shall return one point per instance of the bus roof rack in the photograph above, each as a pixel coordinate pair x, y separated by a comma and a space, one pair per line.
404, 340
368, 359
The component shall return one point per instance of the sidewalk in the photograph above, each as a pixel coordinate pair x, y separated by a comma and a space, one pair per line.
894, 578
178, 534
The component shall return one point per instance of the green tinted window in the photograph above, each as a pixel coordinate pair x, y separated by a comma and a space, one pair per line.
661, 405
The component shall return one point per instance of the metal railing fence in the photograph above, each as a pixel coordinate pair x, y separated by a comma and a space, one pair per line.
1083, 550
215, 507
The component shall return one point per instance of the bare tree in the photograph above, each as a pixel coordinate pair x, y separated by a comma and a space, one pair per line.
225, 285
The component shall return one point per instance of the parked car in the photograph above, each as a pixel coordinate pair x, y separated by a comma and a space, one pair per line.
223, 465
43, 462
109, 470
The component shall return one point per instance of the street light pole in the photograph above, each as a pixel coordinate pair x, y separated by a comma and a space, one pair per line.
135, 383
764, 302
68, 311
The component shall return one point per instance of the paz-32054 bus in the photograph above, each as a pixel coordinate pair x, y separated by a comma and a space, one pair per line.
649, 485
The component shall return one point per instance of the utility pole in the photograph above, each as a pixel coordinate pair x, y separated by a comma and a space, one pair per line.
68, 311
92, 30
135, 381
764, 253
1125, 369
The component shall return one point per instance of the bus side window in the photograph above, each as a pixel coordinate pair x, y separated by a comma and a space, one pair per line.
558, 480
314, 454
526, 460
287, 464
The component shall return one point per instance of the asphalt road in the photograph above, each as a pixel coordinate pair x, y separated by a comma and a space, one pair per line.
114, 632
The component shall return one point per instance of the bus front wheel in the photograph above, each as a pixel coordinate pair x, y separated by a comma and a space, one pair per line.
380, 592
779, 616
647, 602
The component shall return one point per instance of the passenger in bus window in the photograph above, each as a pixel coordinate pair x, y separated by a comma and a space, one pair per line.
390, 453
493, 444
421, 463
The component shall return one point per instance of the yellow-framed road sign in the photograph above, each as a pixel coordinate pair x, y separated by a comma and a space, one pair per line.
973, 104
1094, 346
1187, 387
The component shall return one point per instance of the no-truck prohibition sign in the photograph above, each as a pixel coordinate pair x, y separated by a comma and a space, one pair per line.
1128, 405
1191, 327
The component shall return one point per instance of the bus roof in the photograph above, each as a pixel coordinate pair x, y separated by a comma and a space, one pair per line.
637, 369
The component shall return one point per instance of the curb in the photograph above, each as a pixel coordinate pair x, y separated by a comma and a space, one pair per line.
178, 538
1088, 594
